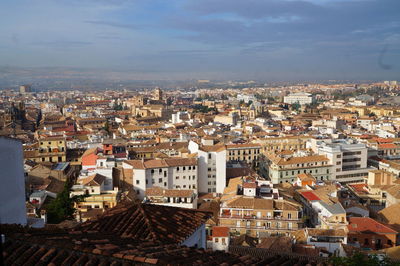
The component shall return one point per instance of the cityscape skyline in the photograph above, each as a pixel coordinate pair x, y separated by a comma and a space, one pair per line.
178, 40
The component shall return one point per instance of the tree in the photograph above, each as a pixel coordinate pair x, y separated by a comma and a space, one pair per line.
362, 259
62, 208
118, 107
296, 106
107, 127
224, 97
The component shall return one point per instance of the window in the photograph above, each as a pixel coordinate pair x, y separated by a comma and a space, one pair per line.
223, 241
177, 177
289, 216
194, 167
152, 171
137, 182
216, 240
209, 156
160, 180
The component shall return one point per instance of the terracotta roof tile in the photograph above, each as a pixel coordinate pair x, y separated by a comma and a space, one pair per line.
148, 222
161, 163
220, 231
366, 224
309, 195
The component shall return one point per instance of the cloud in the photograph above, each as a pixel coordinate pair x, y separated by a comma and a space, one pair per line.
112, 24
62, 44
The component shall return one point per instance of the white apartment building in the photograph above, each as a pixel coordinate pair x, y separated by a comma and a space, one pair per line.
299, 97
212, 166
170, 173
349, 160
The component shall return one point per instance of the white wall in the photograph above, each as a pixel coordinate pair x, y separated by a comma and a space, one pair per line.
12, 188
221, 171
197, 238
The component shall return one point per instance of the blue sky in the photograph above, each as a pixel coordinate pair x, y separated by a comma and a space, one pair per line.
225, 39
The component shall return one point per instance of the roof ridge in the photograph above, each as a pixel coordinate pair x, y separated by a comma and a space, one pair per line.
148, 222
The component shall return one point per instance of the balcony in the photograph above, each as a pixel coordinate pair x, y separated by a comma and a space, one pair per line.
254, 217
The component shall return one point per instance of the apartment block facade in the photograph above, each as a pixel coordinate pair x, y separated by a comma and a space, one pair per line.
171, 173
285, 170
212, 166
349, 160
251, 216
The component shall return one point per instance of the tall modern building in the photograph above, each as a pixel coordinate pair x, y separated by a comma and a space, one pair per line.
212, 165
12, 188
349, 160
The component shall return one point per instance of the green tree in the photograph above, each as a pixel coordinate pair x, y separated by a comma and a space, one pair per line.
296, 106
118, 107
362, 259
62, 208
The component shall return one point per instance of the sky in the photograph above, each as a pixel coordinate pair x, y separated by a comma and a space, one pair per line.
207, 39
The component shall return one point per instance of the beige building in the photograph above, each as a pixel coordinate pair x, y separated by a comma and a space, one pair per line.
286, 169
249, 152
251, 216
96, 199
283, 143
49, 149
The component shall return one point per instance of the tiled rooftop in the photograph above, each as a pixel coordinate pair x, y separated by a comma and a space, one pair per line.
148, 222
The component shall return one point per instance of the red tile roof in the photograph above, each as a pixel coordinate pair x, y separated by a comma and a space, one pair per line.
387, 146
249, 185
359, 188
366, 224
309, 195
55, 246
148, 222
220, 231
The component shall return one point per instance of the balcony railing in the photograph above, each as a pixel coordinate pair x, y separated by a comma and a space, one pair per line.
253, 227
254, 217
